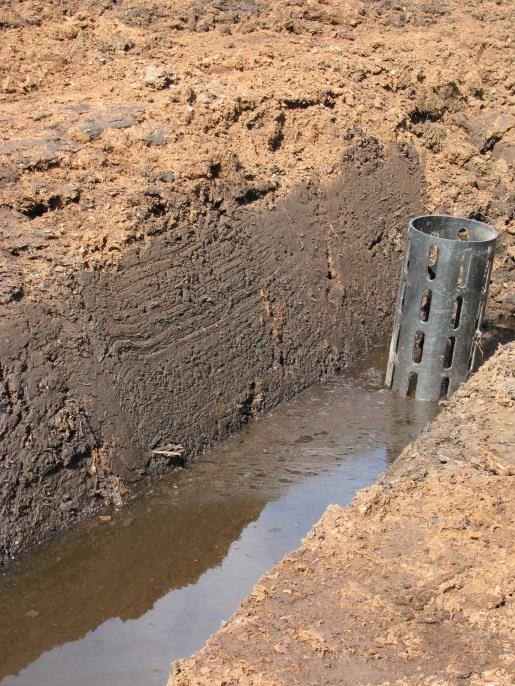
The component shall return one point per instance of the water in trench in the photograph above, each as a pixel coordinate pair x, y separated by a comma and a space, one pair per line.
113, 602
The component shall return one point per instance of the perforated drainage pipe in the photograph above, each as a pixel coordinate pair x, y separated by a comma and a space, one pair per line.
441, 304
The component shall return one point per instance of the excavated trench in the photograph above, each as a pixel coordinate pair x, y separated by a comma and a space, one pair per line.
112, 376
117, 598
202, 213
119, 375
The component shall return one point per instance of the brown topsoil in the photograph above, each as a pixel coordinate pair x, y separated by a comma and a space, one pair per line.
413, 583
202, 211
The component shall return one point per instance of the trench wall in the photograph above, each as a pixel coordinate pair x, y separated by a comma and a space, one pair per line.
200, 328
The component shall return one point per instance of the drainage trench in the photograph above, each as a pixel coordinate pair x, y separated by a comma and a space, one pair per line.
114, 601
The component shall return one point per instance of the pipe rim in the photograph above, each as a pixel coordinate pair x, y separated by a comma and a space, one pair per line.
441, 219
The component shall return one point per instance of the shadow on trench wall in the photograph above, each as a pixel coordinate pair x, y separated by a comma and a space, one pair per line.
216, 320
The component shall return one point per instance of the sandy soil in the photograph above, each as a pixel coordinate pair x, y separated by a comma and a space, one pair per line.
109, 109
413, 583
202, 207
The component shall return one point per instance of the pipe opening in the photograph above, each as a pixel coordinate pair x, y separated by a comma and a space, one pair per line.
460, 280
392, 376
403, 296
449, 352
425, 304
456, 312
432, 261
445, 227
418, 347
412, 384
398, 339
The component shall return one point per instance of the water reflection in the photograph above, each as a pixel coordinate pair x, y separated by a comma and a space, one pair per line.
113, 602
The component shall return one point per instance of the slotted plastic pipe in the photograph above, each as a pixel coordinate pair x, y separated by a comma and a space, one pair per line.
441, 305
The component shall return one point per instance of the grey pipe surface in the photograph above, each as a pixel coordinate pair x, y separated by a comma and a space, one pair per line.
441, 305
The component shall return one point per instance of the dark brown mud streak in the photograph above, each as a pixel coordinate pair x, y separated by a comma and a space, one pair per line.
209, 323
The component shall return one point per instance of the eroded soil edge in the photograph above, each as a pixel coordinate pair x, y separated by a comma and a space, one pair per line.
411, 584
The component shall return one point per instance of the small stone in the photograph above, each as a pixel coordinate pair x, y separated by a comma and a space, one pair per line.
38, 116
159, 77
489, 129
122, 42
166, 176
8, 174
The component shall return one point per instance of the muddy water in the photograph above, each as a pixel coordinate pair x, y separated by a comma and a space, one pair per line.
113, 602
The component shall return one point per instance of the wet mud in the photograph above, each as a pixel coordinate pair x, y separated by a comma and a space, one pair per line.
115, 599
131, 371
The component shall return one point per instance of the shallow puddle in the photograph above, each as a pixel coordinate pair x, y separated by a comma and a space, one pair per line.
113, 602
